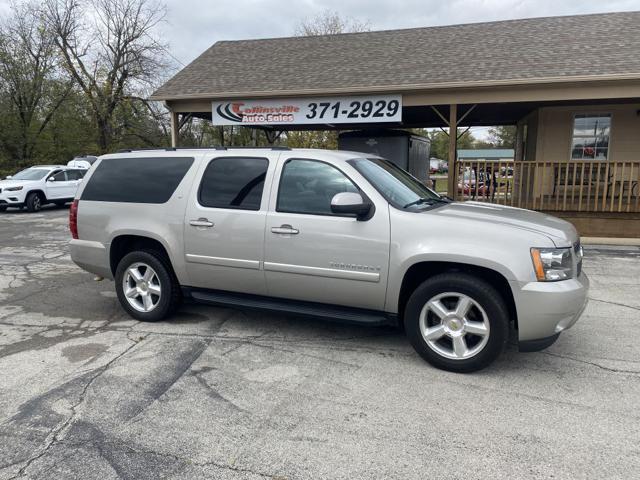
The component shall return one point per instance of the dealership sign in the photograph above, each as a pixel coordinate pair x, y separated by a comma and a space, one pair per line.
307, 111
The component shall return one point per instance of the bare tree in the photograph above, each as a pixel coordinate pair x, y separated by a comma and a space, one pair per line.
31, 85
330, 23
110, 48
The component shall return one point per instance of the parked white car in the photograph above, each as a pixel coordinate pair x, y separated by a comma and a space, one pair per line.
40, 185
83, 161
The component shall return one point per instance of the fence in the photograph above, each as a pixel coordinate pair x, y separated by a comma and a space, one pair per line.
574, 185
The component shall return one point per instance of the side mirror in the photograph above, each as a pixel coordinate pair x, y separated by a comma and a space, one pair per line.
8, 177
50, 179
350, 203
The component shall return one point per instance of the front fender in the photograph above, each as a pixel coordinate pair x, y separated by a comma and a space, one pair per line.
425, 237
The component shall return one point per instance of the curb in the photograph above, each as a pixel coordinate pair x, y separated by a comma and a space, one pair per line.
610, 241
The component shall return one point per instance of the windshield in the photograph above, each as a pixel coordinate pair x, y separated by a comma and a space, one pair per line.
30, 174
400, 188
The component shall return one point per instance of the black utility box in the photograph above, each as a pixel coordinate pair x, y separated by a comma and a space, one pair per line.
405, 149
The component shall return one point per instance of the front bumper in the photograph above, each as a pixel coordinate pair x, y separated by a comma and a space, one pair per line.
547, 308
12, 199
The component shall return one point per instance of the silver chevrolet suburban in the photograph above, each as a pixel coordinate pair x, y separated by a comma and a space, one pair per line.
331, 234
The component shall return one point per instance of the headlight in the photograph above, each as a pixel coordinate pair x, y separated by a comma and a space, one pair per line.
13, 189
552, 264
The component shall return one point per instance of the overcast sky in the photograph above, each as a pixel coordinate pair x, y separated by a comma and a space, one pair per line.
194, 25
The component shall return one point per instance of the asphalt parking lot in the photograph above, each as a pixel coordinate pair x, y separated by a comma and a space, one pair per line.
87, 392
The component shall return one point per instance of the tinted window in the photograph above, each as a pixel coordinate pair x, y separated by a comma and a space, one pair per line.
137, 180
75, 174
59, 177
307, 186
233, 182
396, 185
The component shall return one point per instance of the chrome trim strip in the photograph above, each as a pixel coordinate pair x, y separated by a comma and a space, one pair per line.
224, 262
322, 272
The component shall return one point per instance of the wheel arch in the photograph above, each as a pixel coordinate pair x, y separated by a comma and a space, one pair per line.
123, 244
423, 270
39, 191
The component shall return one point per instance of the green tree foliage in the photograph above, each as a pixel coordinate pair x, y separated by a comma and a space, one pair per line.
440, 143
503, 137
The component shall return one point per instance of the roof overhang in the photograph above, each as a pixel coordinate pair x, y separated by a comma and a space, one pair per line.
411, 89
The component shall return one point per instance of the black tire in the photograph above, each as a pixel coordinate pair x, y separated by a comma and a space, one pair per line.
170, 297
34, 202
486, 296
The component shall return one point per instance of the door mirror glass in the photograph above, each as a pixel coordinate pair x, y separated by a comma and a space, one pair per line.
350, 203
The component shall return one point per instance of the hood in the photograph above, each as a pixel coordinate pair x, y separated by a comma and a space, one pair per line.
560, 232
13, 183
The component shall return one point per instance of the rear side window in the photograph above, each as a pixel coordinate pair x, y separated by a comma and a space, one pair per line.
233, 182
136, 180
75, 174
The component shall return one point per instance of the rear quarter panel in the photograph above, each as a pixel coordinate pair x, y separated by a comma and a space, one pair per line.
104, 221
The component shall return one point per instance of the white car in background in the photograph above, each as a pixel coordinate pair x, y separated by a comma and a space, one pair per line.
82, 161
39, 185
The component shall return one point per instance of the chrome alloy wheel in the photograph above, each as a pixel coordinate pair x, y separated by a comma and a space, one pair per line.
454, 325
141, 287
37, 203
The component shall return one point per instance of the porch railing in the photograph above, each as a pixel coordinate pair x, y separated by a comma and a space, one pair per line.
574, 185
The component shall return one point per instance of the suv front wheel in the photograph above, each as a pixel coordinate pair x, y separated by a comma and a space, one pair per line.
457, 322
146, 286
34, 202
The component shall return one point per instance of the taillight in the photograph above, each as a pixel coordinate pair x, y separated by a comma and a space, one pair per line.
73, 219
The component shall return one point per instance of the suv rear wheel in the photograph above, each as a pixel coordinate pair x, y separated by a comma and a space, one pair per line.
146, 286
457, 322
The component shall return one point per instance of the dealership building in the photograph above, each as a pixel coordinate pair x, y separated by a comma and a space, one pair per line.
570, 85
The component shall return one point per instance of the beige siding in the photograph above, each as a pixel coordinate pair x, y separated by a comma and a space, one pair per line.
555, 126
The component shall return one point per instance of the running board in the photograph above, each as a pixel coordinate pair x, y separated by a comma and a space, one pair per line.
290, 307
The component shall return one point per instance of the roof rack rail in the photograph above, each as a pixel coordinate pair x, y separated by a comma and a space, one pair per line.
217, 147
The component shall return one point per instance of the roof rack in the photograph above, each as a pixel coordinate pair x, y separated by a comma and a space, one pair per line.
218, 147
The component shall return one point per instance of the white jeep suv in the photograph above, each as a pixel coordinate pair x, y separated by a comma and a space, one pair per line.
39, 185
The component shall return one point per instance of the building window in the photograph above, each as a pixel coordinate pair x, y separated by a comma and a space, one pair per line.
591, 137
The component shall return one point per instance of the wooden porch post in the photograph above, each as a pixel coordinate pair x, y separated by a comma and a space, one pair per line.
519, 146
175, 128
518, 169
452, 181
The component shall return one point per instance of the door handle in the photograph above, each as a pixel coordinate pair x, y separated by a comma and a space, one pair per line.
285, 230
201, 222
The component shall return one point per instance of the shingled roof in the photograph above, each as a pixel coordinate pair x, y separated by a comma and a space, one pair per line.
532, 50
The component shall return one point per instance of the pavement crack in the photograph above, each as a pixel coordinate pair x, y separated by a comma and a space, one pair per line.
57, 434
614, 303
237, 469
594, 364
